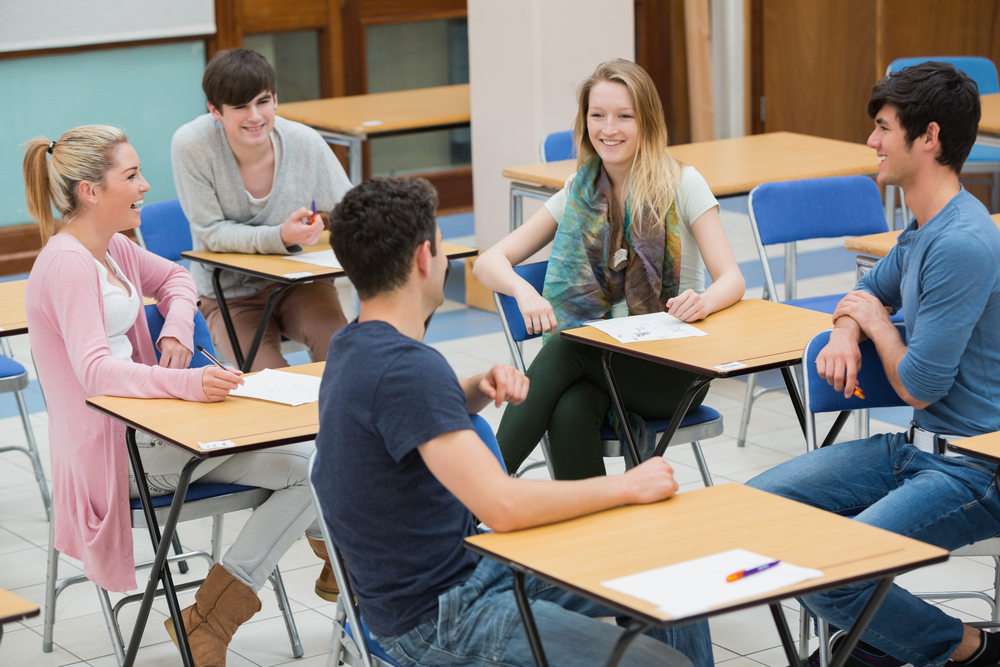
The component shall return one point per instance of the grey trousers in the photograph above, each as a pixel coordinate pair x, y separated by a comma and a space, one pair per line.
273, 527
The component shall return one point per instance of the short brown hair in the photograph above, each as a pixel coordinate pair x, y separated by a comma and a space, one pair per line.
236, 76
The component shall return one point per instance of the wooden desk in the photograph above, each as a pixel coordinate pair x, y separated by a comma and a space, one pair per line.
14, 608
758, 334
252, 424
874, 247
986, 447
580, 554
13, 320
287, 273
730, 166
349, 121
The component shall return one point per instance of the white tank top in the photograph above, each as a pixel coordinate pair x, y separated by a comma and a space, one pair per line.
120, 310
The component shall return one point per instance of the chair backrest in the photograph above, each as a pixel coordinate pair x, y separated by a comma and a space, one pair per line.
821, 397
510, 315
812, 208
201, 335
557, 146
164, 229
980, 70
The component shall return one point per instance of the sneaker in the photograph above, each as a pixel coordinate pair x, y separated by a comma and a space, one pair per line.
863, 655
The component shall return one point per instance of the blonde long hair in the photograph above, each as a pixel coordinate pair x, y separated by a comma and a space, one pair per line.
652, 181
85, 153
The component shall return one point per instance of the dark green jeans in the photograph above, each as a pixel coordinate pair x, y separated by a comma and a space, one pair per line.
569, 398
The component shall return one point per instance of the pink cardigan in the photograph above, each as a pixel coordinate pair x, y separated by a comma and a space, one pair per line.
69, 342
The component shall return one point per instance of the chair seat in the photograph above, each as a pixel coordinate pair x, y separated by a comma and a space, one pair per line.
987, 547
981, 153
195, 492
203, 500
9, 367
13, 377
373, 647
828, 304
701, 415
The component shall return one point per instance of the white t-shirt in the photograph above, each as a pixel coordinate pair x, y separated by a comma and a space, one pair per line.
257, 204
693, 198
120, 310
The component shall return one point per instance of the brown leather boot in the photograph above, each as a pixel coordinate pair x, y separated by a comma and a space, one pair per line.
221, 605
326, 585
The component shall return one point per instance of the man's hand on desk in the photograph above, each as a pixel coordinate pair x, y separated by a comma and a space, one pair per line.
301, 228
649, 482
218, 382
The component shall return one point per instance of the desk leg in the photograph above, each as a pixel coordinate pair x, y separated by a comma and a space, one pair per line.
518, 191
162, 545
354, 161
793, 393
528, 619
861, 624
234, 342
791, 654
634, 629
265, 317
679, 412
616, 399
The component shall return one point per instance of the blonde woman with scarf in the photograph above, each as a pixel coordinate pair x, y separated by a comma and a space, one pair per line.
633, 232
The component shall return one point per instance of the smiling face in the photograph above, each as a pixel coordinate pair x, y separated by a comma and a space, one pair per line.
896, 159
249, 124
120, 195
611, 123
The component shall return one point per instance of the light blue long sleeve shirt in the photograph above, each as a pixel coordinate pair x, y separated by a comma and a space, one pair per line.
946, 278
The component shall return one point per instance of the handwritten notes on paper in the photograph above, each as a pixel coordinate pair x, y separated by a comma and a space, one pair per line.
280, 387
638, 328
695, 586
324, 258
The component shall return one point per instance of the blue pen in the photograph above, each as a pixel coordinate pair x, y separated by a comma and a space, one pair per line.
736, 576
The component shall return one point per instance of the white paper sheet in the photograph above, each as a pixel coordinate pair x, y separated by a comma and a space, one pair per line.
637, 328
696, 586
319, 258
278, 387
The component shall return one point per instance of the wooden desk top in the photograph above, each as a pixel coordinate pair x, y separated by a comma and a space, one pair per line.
14, 608
276, 267
986, 447
13, 320
761, 334
990, 121
250, 423
736, 166
879, 245
402, 111
581, 553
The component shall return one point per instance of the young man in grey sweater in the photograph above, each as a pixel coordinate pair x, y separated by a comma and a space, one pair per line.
246, 180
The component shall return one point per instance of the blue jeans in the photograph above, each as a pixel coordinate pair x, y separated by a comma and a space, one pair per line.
885, 482
478, 624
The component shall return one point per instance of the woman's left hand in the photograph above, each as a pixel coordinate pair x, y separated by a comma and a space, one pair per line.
688, 306
173, 354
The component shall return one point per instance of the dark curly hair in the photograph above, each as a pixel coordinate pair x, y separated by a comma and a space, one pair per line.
933, 92
378, 226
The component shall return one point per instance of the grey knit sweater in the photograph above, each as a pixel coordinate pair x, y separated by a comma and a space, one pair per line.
215, 202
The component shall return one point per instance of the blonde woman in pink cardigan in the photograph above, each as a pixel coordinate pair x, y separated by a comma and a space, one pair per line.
89, 337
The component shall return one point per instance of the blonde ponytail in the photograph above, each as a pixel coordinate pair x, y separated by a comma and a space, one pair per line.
85, 153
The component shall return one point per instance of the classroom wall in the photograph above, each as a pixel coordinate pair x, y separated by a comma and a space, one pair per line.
148, 91
526, 58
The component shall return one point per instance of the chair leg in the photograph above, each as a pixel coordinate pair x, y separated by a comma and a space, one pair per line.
217, 537
50, 590
36, 461
699, 456
748, 400
337, 637
286, 612
823, 631
996, 589
178, 549
804, 633
109, 619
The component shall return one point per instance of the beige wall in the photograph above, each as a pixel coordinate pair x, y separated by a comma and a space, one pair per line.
526, 58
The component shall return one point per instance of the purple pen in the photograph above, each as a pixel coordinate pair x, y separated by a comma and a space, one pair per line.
314, 212
736, 576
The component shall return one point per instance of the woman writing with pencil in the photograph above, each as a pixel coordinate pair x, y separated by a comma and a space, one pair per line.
89, 337
633, 232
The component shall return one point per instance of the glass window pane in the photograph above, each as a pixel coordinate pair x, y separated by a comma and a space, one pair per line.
295, 57
422, 54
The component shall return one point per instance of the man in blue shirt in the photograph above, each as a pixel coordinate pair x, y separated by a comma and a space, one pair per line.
943, 273
400, 472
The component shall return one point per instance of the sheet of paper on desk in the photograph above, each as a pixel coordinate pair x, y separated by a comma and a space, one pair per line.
638, 328
695, 586
278, 387
319, 258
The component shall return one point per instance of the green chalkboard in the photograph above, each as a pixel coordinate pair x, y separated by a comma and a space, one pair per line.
147, 91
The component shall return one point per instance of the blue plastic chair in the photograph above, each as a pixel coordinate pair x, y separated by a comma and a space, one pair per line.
164, 229
202, 500
557, 146
699, 424
14, 379
820, 397
982, 159
793, 211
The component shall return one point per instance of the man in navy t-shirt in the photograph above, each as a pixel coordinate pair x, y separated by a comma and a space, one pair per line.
400, 472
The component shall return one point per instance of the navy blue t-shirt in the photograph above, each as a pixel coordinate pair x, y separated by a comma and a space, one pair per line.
399, 530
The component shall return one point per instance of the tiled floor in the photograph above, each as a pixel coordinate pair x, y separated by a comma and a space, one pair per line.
472, 342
